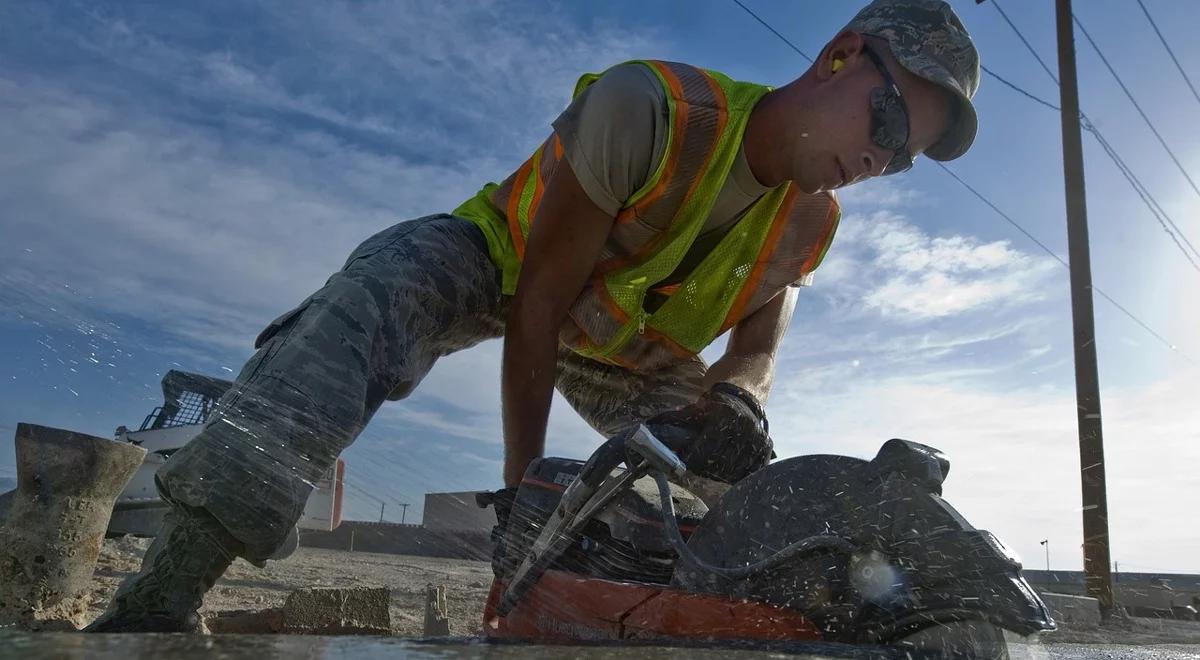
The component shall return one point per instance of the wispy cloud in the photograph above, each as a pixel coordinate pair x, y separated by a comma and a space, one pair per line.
240, 179
901, 271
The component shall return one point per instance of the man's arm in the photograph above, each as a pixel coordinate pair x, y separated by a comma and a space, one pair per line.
564, 244
749, 359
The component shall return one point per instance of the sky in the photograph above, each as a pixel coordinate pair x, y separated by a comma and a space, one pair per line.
175, 175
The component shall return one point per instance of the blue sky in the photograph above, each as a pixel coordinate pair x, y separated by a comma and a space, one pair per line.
174, 175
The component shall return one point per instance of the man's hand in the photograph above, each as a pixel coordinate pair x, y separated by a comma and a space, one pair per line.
501, 502
723, 436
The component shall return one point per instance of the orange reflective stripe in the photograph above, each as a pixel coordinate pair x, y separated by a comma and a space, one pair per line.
822, 245
678, 129
601, 288
722, 120
558, 148
514, 203
750, 287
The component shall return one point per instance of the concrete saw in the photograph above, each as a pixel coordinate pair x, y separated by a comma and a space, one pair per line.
817, 548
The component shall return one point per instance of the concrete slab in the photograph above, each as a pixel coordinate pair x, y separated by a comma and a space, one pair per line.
1072, 609
349, 611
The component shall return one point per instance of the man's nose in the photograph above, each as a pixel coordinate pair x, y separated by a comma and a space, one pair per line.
872, 164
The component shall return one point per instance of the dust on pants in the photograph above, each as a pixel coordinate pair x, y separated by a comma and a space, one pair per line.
405, 297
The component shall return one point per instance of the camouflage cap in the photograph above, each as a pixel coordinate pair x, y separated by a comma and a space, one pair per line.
928, 39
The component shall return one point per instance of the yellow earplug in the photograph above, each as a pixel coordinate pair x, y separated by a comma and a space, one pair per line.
837, 65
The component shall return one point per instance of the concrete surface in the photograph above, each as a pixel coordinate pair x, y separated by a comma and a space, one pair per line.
78, 646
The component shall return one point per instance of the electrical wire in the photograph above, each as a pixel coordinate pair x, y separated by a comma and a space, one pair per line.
1137, 106
1160, 214
774, 31
1019, 90
1028, 46
1164, 219
1170, 346
1169, 51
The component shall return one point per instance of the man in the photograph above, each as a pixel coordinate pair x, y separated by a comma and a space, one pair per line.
669, 205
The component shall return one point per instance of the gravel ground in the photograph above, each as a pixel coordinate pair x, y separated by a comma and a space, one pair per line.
245, 587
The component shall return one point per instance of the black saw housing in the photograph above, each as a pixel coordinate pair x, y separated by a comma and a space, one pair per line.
625, 541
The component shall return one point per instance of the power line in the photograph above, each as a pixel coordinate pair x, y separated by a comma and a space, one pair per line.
1164, 219
980, 195
1019, 90
1002, 214
774, 31
1060, 260
1028, 46
1137, 106
365, 493
1148, 199
1169, 51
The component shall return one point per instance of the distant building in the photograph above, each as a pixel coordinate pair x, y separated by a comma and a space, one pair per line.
456, 512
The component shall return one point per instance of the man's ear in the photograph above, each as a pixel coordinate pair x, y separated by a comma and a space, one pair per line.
845, 48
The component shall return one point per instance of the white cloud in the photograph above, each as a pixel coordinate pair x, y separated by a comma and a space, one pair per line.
882, 193
886, 264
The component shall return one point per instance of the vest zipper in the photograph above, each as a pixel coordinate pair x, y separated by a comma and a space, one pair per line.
642, 323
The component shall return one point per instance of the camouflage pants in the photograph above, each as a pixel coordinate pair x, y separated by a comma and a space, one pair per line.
407, 296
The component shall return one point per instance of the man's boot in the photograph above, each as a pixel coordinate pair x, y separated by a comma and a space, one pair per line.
192, 550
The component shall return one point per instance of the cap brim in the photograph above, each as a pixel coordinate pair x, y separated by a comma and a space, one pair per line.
961, 135
958, 139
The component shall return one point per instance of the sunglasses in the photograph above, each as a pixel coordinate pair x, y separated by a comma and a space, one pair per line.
889, 119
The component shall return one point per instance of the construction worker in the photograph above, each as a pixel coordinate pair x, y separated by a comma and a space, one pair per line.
669, 205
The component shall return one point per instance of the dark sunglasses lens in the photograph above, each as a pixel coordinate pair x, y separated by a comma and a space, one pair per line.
889, 121
889, 128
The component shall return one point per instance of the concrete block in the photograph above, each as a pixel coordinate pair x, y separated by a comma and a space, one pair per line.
350, 611
437, 614
1071, 609
66, 485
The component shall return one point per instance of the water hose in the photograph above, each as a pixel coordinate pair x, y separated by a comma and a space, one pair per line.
804, 546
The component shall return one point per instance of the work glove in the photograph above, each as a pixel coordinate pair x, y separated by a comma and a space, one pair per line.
502, 502
722, 436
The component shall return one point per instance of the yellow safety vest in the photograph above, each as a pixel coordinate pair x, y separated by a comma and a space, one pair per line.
777, 242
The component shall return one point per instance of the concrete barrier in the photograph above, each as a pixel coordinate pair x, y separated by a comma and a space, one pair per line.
66, 485
390, 538
1072, 609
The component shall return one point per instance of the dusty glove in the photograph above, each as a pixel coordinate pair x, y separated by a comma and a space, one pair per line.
723, 436
501, 502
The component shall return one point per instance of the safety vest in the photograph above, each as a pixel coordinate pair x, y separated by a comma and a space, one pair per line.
779, 240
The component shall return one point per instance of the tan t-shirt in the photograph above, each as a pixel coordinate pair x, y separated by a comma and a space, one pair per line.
614, 135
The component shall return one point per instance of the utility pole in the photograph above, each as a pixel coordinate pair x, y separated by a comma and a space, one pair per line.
381, 505
403, 511
1046, 543
1096, 565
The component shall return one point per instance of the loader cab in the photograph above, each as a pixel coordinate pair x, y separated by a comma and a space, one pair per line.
188, 401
